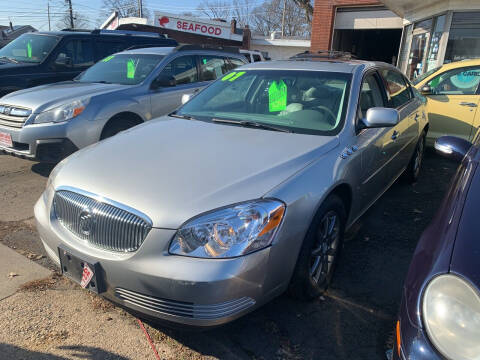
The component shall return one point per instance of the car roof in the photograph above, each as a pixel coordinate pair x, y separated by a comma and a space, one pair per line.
312, 65
150, 50
461, 63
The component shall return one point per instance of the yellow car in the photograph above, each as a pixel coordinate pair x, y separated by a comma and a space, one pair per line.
453, 97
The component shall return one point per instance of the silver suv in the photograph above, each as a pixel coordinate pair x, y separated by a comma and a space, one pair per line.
49, 122
246, 190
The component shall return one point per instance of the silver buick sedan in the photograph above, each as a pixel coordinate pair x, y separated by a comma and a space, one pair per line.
244, 192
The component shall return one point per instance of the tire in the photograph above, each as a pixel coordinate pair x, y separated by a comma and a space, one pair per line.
414, 166
319, 253
116, 125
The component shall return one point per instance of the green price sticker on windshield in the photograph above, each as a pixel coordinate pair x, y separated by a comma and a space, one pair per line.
29, 49
108, 58
233, 76
131, 69
277, 96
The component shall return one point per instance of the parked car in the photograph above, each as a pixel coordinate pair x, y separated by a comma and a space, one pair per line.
453, 96
246, 190
46, 57
252, 55
439, 315
49, 122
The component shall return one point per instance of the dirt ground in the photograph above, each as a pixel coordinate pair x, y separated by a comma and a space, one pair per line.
354, 320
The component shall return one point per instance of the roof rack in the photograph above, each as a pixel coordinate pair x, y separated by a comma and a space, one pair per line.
128, 33
324, 54
230, 49
141, 46
76, 30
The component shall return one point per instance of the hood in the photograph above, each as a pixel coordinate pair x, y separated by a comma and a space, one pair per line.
10, 68
466, 251
44, 97
173, 169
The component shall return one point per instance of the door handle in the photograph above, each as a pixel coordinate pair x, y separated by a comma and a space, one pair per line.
417, 116
395, 135
469, 104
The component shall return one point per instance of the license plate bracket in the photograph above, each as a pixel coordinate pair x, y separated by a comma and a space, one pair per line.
6, 140
73, 268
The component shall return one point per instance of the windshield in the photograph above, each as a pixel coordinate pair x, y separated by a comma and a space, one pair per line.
30, 48
310, 102
424, 76
125, 69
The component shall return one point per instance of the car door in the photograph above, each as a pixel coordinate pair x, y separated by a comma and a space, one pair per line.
72, 56
453, 103
372, 144
403, 137
185, 71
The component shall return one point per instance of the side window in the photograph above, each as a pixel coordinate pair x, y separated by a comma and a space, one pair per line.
77, 53
256, 58
183, 69
370, 95
234, 63
398, 90
463, 81
212, 67
106, 48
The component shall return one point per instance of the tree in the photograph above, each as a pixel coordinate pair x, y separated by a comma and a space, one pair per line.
240, 10
125, 8
80, 21
269, 17
307, 7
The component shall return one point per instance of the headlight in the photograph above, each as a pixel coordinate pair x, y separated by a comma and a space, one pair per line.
231, 231
53, 174
451, 313
63, 112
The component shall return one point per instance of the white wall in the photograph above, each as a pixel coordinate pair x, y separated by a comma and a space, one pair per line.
280, 52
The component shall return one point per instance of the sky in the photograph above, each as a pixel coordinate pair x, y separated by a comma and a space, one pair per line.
34, 12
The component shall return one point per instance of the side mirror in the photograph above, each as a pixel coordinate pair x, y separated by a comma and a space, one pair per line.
163, 81
426, 90
186, 98
452, 147
381, 117
63, 61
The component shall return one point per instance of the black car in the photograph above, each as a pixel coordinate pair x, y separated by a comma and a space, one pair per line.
47, 57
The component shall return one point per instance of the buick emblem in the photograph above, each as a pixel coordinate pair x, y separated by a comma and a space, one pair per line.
86, 222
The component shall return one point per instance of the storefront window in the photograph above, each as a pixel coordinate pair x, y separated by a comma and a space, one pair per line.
464, 39
420, 40
435, 42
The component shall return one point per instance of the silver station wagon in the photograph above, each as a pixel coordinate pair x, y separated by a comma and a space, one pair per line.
242, 193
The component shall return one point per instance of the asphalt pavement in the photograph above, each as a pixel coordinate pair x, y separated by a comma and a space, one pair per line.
355, 318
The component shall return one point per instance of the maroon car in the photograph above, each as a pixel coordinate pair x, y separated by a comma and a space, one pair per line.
439, 315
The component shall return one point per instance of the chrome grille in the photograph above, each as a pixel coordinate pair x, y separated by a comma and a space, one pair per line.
184, 309
101, 224
12, 116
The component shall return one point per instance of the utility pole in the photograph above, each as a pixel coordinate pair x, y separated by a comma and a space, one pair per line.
48, 11
283, 17
140, 8
72, 26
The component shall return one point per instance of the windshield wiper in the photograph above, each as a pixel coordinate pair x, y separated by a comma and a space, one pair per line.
8, 59
252, 124
186, 117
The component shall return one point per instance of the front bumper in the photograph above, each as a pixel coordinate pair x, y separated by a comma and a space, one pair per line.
42, 142
178, 289
415, 344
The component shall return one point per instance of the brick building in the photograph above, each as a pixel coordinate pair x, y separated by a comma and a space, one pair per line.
366, 28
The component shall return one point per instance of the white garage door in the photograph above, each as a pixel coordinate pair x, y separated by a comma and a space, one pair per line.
364, 18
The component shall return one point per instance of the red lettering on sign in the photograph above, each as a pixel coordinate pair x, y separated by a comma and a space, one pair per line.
203, 29
190, 27
211, 30
179, 24
218, 31
197, 26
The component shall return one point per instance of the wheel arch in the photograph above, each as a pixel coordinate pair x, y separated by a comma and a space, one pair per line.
124, 115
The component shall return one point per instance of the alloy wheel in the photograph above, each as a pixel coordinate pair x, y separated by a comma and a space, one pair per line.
325, 248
